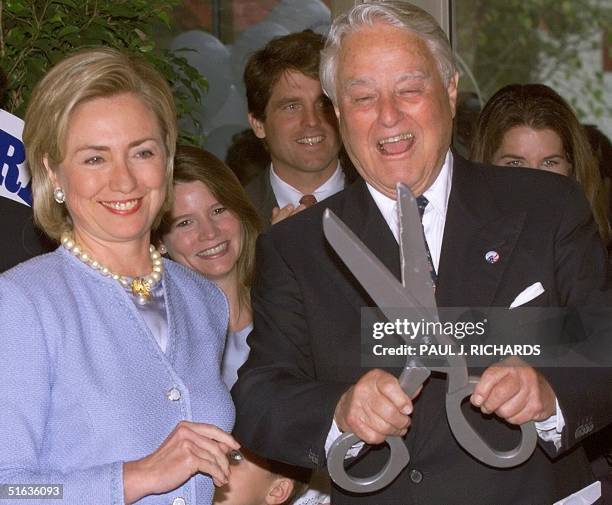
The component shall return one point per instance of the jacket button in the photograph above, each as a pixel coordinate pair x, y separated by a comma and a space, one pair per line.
174, 395
416, 476
178, 501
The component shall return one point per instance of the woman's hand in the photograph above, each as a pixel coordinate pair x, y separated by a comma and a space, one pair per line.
288, 210
191, 448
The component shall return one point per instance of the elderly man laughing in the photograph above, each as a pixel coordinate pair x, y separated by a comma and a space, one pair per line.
389, 71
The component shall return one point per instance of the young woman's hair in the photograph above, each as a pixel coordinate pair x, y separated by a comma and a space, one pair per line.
540, 108
193, 164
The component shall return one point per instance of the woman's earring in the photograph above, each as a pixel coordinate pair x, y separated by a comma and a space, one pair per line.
59, 195
162, 249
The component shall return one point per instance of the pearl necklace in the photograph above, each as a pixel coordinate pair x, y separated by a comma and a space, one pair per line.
140, 286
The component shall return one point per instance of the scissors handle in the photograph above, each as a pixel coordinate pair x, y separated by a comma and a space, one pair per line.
397, 461
475, 445
410, 380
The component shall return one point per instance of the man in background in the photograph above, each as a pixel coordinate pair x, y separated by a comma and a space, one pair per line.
290, 114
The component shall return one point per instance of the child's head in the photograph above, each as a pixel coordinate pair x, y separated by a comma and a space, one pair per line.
257, 481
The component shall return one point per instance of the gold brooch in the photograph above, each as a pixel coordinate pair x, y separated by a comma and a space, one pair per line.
141, 288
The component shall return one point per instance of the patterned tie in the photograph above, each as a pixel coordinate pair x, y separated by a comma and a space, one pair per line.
308, 200
421, 204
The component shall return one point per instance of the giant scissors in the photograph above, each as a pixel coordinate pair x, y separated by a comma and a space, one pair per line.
415, 292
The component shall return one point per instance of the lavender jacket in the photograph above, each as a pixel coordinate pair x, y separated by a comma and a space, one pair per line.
84, 385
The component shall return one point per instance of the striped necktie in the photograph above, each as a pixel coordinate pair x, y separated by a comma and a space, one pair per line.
422, 202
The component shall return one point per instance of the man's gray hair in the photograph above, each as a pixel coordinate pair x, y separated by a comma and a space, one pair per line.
392, 12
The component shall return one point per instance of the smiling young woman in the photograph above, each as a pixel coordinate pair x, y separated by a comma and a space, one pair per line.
532, 126
212, 228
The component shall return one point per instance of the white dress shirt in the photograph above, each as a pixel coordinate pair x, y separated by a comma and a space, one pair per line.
434, 218
286, 194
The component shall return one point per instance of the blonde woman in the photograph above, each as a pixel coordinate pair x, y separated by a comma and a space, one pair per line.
110, 373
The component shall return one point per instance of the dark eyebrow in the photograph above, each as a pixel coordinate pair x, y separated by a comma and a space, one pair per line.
286, 101
180, 218
510, 155
93, 148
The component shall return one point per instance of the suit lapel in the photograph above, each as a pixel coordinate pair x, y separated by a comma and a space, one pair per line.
362, 216
475, 226
374, 231
262, 196
268, 197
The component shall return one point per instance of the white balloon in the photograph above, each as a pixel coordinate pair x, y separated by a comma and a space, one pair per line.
219, 140
212, 59
233, 111
322, 29
298, 15
251, 40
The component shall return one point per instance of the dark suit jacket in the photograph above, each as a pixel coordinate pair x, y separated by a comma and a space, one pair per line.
20, 238
305, 348
262, 196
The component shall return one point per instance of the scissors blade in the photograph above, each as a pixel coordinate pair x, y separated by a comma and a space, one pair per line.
416, 276
380, 284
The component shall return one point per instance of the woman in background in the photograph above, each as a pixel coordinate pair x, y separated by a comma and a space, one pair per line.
530, 125
212, 228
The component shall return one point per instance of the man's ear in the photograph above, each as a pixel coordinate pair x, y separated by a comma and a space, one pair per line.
50, 172
257, 126
279, 491
452, 92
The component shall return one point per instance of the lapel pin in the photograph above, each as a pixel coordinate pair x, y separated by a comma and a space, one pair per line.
492, 257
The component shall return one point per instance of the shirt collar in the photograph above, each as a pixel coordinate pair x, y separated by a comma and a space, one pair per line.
437, 194
286, 194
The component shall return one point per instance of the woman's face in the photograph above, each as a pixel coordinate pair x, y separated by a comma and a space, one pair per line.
525, 147
204, 235
113, 171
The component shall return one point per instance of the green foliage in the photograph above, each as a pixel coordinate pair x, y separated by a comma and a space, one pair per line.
35, 34
509, 41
